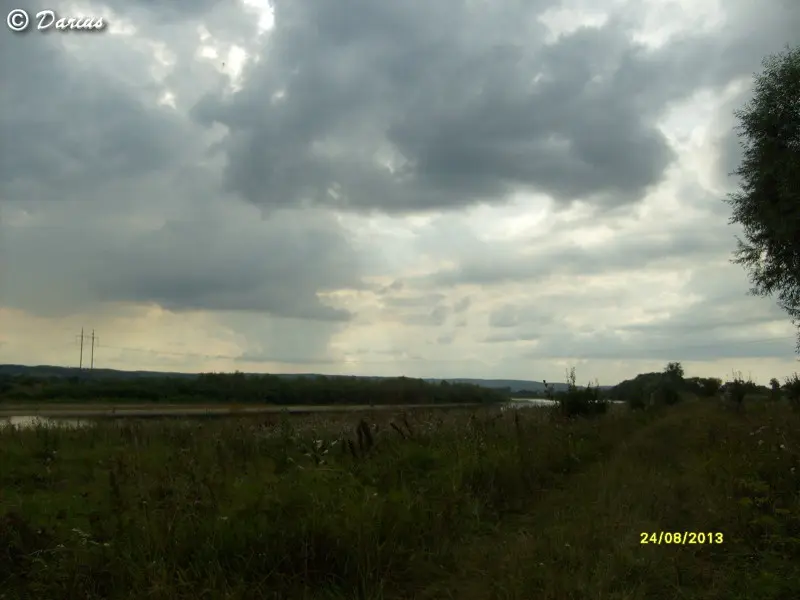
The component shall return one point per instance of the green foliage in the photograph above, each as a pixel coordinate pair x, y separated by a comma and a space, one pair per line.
636, 391
461, 504
738, 388
299, 507
576, 401
636, 401
659, 388
241, 388
767, 204
666, 393
674, 371
774, 389
705, 387
792, 389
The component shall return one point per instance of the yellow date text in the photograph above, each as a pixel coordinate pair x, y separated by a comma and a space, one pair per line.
683, 538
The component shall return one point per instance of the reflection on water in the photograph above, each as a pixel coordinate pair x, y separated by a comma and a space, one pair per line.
529, 402
516, 403
534, 401
28, 421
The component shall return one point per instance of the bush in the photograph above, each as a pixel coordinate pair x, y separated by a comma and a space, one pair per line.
710, 386
737, 389
577, 401
636, 401
665, 394
774, 389
792, 388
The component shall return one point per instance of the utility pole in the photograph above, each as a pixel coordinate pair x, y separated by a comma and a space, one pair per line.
80, 361
92, 359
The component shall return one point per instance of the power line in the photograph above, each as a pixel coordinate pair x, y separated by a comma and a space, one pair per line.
91, 368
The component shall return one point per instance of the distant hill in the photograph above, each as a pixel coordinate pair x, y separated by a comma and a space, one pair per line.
51, 371
515, 385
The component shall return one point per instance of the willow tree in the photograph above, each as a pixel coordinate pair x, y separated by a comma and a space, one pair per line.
767, 203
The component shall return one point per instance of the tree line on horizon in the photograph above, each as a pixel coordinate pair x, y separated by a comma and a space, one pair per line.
239, 387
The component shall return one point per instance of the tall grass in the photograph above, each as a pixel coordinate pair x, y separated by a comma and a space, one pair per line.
389, 505
292, 507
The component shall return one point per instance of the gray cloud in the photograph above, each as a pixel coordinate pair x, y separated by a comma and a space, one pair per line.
445, 339
462, 305
276, 266
505, 316
101, 128
413, 301
503, 338
109, 198
433, 318
467, 115
498, 263
86, 180
720, 321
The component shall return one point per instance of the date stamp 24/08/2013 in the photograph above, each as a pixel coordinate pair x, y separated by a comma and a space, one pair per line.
684, 538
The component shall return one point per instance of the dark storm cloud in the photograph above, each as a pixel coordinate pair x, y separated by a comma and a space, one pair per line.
275, 267
88, 157
452, 92
205, 266
470, 101
67, 125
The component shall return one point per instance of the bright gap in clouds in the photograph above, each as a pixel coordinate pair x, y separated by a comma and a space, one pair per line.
232, 60
563, 21
265, 13
666, 19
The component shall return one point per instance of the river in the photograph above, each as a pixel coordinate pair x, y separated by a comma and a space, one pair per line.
77, 416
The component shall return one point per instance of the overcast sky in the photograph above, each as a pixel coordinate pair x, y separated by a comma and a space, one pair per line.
448, 188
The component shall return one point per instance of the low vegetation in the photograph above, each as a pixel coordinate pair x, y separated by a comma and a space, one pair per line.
477, 503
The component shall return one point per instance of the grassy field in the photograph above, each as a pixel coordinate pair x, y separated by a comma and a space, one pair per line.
469, 505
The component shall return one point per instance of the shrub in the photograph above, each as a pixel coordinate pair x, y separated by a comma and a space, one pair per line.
636, 401
737, 389
665, 393
774, 389
792, 388
577, 401
710, 386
